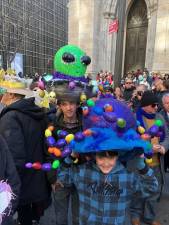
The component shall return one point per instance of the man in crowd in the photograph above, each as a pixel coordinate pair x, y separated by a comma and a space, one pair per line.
22, 126
165, 114
160, 90
147, 115
128, 89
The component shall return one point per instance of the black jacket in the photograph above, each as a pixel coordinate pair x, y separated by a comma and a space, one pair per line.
59, 125
8, 171
127, 94
22, 124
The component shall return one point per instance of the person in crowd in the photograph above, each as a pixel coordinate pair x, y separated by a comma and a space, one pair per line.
22, 125
8, 173
147, 115
160, 89
103, 182
137, 96
68, 118
128, 89
165, 114
118, 94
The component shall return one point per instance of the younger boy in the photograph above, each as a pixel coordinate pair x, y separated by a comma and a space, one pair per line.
105, 188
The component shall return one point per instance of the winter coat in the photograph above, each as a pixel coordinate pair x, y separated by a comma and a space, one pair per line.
8, 171
127, 94
105, 199
59, 125
22, 124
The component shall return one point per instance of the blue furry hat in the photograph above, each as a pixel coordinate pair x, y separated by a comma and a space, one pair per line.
109, 125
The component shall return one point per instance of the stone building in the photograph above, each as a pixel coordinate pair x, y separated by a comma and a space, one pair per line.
141, 41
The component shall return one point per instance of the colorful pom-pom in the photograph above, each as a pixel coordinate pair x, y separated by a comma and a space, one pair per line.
141, 130
108, 108
46, 166
62, 134
85, 111
145, 137
60, 143
121, 123
37, 166
158, 123
87, 132
148, 161
51, 128
153, 131
48, 133
50, 141
90, 103
28, 165
51, 150
69, 138
55, 164
79, 136
83, 97
66, 151
72, 85
57, 152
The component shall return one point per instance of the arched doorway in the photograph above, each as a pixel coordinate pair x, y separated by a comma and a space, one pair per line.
136, 36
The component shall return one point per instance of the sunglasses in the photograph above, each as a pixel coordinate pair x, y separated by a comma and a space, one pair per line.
154, 105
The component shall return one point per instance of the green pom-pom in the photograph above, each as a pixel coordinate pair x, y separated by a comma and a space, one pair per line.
159, 123
90, 103
58, 132
55, 164
121, 123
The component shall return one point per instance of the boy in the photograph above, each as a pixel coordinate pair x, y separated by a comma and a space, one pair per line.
105, 188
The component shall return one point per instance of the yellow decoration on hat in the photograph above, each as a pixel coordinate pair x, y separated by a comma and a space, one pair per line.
148, 161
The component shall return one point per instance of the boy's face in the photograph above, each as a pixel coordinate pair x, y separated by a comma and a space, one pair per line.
106, 164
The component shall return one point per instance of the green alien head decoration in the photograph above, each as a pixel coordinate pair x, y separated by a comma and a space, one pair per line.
70, 63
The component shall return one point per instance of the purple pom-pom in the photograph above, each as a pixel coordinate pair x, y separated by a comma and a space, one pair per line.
60, 143
79, 136
46, 166
51, 141
62, 134
66, 151
28, 165
153, 131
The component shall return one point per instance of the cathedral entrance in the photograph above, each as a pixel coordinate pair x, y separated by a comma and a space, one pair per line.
136, 36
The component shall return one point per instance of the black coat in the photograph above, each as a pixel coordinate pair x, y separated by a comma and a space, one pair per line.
8, 171
22, 124
127, 94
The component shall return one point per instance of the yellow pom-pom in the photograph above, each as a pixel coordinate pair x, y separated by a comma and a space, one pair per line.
69, 138
48, 133
83, 97
148, 161
141, 130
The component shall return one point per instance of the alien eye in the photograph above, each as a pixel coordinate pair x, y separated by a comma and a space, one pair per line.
86, 60
68, 57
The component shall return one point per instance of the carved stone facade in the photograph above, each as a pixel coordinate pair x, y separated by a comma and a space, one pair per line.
88, 28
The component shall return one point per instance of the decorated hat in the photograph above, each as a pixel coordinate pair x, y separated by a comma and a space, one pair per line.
109, 125
68, 80
6, 196
16, 85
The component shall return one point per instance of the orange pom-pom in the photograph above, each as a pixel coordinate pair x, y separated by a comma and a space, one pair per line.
108, 108
57, 152
50, 150
51, 128
87, 132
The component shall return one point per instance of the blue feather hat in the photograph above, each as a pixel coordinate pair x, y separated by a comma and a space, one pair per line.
109, 125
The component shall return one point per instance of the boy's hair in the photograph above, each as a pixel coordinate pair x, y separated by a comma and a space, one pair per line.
108, 154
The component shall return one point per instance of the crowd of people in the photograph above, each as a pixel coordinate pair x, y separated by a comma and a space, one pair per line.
111, 146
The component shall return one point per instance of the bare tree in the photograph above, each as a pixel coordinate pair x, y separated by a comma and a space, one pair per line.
14, 27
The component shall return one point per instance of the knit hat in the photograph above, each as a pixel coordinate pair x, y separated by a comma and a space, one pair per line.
148, 98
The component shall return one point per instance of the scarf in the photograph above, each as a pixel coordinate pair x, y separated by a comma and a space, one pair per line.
139, 116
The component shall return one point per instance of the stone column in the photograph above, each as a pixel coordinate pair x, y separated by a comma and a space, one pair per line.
161, 51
